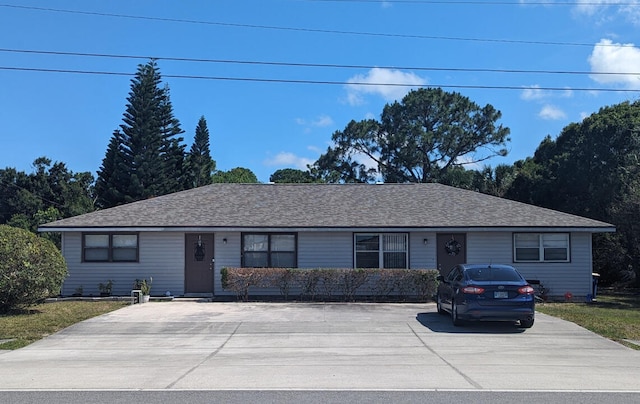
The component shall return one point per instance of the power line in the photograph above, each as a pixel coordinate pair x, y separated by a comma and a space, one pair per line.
298, 29
42, 198
319, 65
325, 82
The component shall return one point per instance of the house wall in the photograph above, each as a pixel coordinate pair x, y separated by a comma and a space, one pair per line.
320, 250
558, 277
162, 257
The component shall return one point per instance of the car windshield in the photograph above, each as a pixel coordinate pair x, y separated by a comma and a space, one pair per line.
493, 274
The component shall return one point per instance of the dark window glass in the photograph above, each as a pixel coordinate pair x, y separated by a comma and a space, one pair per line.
110, 247
367, 260
269, 251
493, 274
381, 250
541, 247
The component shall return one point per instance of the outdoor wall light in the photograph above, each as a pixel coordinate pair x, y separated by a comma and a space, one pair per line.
425, 241
224, 240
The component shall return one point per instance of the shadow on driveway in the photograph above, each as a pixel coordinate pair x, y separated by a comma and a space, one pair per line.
441, 323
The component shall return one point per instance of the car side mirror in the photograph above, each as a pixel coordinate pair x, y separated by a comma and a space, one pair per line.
440, 278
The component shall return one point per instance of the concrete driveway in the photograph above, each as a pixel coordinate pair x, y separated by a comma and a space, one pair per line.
316, 346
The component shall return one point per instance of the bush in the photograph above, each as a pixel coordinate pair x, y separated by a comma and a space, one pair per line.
31, 268
373, 283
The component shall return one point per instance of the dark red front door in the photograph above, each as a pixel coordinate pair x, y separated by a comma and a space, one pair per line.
198, 260
452, 250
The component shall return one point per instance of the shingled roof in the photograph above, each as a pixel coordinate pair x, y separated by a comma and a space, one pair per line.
361, 206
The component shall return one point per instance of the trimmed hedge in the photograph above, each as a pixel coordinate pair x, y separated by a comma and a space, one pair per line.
333, 283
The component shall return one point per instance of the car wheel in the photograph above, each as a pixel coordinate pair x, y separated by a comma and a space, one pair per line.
528, 323
441, 309
454, 315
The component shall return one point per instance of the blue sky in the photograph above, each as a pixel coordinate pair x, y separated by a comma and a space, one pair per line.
532, 60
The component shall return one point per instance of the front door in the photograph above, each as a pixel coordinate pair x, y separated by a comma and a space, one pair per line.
452, 250
198, 272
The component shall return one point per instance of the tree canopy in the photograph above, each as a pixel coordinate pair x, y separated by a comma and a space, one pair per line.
592, 169
239, 175
416, 140
291, 176
50, 192
145, 157
199, 164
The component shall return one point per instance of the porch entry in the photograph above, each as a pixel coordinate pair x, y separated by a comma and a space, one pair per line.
451, 251
198, 261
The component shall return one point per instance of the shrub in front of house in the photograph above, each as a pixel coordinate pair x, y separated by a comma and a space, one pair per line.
332, 283
31, 268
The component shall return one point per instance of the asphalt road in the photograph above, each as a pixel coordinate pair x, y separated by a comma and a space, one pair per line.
314, 397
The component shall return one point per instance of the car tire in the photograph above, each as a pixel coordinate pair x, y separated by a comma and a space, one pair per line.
441, 309
527, 323
454, 315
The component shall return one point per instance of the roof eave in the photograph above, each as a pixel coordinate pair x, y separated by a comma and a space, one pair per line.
195, 229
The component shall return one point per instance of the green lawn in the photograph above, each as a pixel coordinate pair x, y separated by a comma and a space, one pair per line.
615, 315
27, 326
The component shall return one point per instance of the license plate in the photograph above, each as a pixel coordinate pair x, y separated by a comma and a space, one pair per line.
500, 295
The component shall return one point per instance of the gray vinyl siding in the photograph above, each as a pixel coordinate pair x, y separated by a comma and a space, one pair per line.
421, 255
558, 277
321, 250
325, 250
226, 255
161, 256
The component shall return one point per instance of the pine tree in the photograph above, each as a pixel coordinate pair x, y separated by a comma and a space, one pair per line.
145, 157
200, 165
172, 150
112, 179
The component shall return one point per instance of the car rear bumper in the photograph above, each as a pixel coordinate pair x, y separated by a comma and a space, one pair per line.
495, 313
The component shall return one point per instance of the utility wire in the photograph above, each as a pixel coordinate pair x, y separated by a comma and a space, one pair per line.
297, 29
42, 198
319, 65
325, 82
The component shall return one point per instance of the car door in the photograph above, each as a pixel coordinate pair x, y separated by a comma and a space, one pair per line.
448, 286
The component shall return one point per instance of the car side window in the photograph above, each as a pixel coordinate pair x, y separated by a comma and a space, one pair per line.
455, 275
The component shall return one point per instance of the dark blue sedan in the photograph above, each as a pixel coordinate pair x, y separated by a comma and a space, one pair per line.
486, 292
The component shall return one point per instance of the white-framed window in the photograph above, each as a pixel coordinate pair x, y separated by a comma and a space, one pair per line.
269, 250
381, 250
541, 247
110, 247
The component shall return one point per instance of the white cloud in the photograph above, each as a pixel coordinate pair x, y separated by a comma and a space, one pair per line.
286, 159
390, 84
615, 58
535, 93
322, 121
316, 149
469, 163
551, 113
608, 10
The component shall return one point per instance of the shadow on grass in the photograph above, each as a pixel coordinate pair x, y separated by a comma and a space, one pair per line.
19, 312
622, 301
442, 323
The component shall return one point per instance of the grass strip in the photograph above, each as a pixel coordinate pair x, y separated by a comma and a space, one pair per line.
614, 316
24, 327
